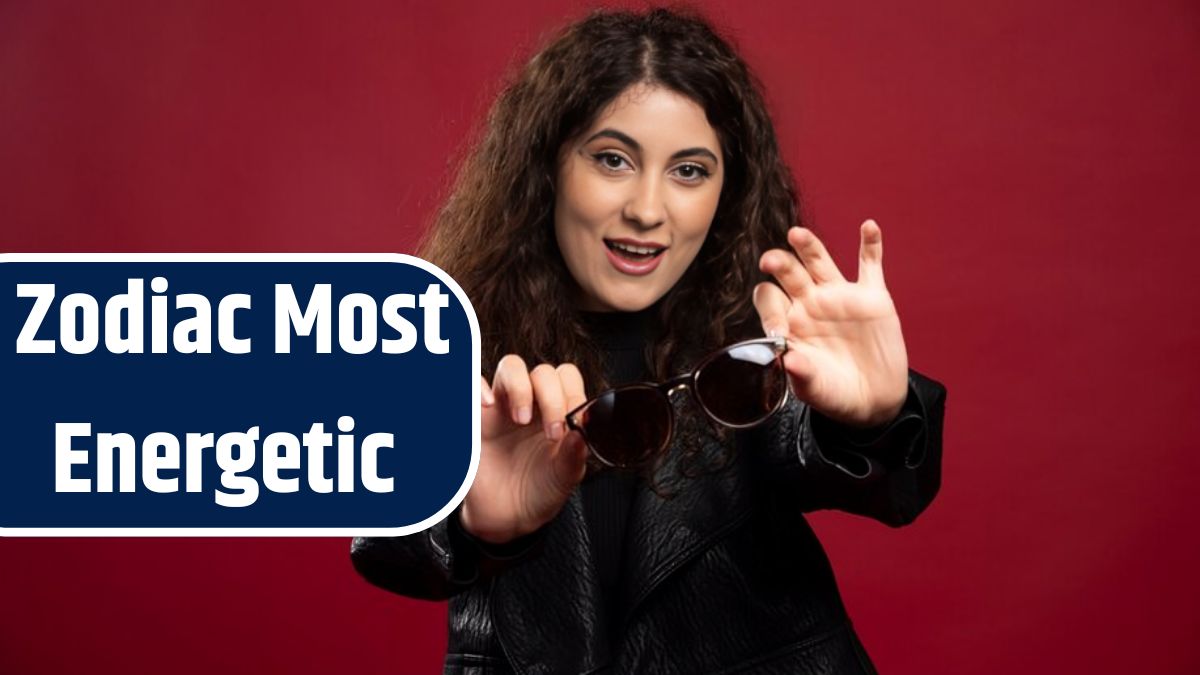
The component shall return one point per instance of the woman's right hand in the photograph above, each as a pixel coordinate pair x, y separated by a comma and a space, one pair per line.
529, 462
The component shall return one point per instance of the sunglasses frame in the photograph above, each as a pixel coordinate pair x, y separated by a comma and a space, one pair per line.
679, 383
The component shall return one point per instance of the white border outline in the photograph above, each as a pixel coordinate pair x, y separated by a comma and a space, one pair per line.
400, 258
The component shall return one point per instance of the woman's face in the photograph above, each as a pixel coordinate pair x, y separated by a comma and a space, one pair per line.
636, 194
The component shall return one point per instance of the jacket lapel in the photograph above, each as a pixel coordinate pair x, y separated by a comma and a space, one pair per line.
666, 532
547, 610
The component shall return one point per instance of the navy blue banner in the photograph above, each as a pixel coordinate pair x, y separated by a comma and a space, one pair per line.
233, 394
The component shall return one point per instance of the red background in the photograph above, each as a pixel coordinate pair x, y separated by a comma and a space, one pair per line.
1032, 164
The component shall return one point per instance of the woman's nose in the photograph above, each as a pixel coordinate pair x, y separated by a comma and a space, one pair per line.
645, 205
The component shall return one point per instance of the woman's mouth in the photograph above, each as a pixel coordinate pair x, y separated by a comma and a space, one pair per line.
635, 259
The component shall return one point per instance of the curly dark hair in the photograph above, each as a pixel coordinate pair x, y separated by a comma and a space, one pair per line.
495, 233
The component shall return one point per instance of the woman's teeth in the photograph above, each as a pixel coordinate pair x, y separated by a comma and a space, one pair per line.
634, 252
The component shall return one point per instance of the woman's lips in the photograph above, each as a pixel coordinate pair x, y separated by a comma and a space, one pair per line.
633, 267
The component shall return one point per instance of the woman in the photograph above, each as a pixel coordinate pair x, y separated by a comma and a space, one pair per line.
625, 214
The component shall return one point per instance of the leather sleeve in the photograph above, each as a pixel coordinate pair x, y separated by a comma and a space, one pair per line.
890, 473
436, 563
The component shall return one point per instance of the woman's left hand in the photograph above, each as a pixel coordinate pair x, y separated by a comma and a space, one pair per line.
846, 355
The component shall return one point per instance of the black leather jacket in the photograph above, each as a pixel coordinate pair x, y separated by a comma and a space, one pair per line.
725, 576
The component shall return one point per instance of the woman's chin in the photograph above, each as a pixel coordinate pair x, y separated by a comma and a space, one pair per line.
619, 302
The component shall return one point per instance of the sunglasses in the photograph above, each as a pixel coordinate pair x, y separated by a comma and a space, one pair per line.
739, 386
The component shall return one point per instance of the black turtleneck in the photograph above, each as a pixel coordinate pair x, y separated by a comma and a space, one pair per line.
608, 494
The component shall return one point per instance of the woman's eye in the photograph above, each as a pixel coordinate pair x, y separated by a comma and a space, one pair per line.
692, 173
609, 160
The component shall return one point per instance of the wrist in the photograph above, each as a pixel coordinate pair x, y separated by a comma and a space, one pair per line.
870, 420
881, 418
495, 549
484, 533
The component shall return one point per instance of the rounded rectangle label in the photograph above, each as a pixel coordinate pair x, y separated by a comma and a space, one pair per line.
234, 394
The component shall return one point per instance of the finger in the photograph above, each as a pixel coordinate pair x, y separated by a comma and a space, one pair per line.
494, 418
573, 392
572, 384
485, 393
813, 254
799, 363
512, 384
870, 253
787, 270
493, 421
548, 393
571, 464
772, 305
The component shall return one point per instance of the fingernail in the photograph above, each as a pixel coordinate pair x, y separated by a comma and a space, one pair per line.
524, 415
554, 431
489, 399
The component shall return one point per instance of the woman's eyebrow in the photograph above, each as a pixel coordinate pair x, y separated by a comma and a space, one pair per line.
620, 136
691, 152
637, 147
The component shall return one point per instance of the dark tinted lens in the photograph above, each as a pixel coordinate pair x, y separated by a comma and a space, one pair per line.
627, 427
743, 385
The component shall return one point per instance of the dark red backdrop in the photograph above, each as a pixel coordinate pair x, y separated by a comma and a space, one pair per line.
1032, 164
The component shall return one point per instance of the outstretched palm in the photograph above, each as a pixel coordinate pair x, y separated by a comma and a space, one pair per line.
846, 354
